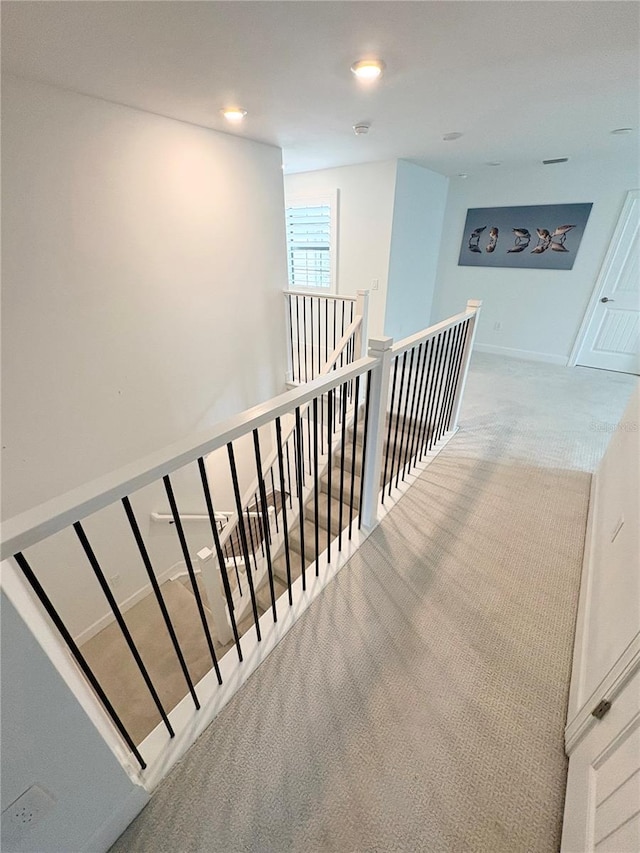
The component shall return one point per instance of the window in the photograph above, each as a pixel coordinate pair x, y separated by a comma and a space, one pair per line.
310, 244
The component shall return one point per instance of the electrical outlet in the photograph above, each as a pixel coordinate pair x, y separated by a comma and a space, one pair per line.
497, 326
115, 579
24, 813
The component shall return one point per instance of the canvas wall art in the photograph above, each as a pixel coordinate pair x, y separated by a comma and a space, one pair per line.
543, 236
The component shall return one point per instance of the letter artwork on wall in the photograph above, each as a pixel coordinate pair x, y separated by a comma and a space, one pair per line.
544, 236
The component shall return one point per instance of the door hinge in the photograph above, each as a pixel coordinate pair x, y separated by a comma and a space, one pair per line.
601, 709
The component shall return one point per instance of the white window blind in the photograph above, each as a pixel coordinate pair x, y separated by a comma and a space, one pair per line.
309, 245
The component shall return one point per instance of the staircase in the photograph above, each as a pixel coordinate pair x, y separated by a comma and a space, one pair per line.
316, 486
337, 506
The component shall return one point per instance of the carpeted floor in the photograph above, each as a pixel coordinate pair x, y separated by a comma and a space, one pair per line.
419, 704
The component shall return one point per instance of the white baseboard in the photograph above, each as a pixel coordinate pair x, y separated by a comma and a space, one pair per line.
525, 354
125, 812
169, 574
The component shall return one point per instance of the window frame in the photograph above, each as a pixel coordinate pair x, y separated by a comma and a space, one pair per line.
329, 199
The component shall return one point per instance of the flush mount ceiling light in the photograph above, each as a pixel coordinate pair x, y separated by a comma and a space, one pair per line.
622, 131
449, 137
234, 114
368, 69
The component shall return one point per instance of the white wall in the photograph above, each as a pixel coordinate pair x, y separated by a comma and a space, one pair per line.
48, 740
614, 580
418, 215
540, 311
143, 269
365, 215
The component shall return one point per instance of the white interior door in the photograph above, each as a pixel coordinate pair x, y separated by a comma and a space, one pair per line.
611, 331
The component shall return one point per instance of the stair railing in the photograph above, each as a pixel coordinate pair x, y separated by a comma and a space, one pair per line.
426, 375
276, 468
315, 325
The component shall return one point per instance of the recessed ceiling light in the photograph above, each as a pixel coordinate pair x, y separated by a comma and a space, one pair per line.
621, 131
494, 163
233, 113
555, 160
449, 137
368, 69
463, 175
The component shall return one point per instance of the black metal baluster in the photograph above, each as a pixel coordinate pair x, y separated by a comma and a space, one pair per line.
251, 539
406, 463
221, 562
354, 450
386, 452
321, 425
444, 381
113, 604
298, 449
441, 368
299, 466
299, 379
436, 392
453, 355
260, 524
343, 331
144, 554
330, 403
335, 309
235, 562
192, 576
326, 331
432, 394
275, 500
463, 344
395, 432
77, 654
243, 535
343, 442
286, 447
425, 400
285, 526
290, 297
364, 445
415, 414
315, 483
313, 374
304, 316
263, 503
404, 436
308, 420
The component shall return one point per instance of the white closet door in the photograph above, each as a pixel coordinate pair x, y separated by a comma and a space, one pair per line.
612, 337
602, 807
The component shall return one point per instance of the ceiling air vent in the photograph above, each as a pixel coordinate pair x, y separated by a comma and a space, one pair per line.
555, 160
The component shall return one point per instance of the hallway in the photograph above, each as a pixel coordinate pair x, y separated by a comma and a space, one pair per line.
420, 702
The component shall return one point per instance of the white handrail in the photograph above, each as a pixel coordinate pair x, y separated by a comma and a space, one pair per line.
431, 332
335, 296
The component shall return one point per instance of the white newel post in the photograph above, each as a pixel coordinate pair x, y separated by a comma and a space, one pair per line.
362, 310
472, 305
380, 349
289, 334
215, 595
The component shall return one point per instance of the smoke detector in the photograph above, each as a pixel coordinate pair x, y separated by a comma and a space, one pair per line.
361, 129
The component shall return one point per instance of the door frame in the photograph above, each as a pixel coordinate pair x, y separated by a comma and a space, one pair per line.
598, 288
